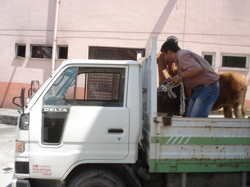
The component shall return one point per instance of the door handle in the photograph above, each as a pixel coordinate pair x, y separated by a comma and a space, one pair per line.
115, 131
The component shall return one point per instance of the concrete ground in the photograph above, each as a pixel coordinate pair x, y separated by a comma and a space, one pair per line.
7, 147
8, 120
8, 116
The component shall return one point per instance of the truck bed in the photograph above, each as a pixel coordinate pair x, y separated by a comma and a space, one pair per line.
178, 144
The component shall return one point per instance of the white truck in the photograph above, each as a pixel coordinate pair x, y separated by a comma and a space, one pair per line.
95, 123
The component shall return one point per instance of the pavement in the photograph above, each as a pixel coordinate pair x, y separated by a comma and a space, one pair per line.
8, 116
7, 145
8, 121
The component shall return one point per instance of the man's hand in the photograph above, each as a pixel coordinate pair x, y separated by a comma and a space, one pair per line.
170, 79
175, 80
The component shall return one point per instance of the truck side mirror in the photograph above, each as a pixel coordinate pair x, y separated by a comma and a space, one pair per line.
21, 97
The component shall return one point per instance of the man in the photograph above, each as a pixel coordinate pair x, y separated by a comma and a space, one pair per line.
197, 75
165, 68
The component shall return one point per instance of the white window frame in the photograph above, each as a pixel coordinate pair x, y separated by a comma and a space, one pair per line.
235, 55
213, 57
16, 50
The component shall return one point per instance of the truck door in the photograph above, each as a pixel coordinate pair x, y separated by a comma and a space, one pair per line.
84, 116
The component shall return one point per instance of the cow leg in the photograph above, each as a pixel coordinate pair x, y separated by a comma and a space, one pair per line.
238, 109
227, 110
243, 102
243, 112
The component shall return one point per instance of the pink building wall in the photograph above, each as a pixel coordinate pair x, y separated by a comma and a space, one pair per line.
219, 27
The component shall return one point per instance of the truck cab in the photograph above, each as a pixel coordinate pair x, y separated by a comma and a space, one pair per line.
88, 111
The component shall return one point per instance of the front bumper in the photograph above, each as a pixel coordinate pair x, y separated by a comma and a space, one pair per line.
36, 182
19, 182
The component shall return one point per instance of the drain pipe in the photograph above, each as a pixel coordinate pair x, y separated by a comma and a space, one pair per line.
55, 37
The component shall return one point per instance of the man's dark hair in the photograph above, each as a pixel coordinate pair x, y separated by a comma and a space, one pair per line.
170, 45
173, 38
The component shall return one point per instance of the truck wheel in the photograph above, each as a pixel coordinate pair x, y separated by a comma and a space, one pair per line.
96, 178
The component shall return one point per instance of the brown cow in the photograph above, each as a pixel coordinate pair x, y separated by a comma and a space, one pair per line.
233, 88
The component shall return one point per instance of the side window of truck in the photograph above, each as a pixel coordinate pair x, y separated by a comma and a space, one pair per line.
88, 86
62, 86
100, 87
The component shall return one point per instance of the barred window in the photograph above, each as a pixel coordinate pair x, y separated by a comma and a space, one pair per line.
62, 52
109, 53
210, 57
20, 50
100, 86
235, 61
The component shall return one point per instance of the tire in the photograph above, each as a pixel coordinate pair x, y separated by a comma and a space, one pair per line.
96, 178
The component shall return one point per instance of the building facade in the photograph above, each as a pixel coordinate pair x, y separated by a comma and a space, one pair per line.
36, 36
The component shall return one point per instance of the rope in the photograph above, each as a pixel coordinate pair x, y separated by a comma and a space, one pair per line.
168, 88
182, 100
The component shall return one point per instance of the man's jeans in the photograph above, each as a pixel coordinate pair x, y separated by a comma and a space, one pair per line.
202, 100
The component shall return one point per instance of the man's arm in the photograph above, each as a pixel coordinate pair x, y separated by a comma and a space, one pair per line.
186, 74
